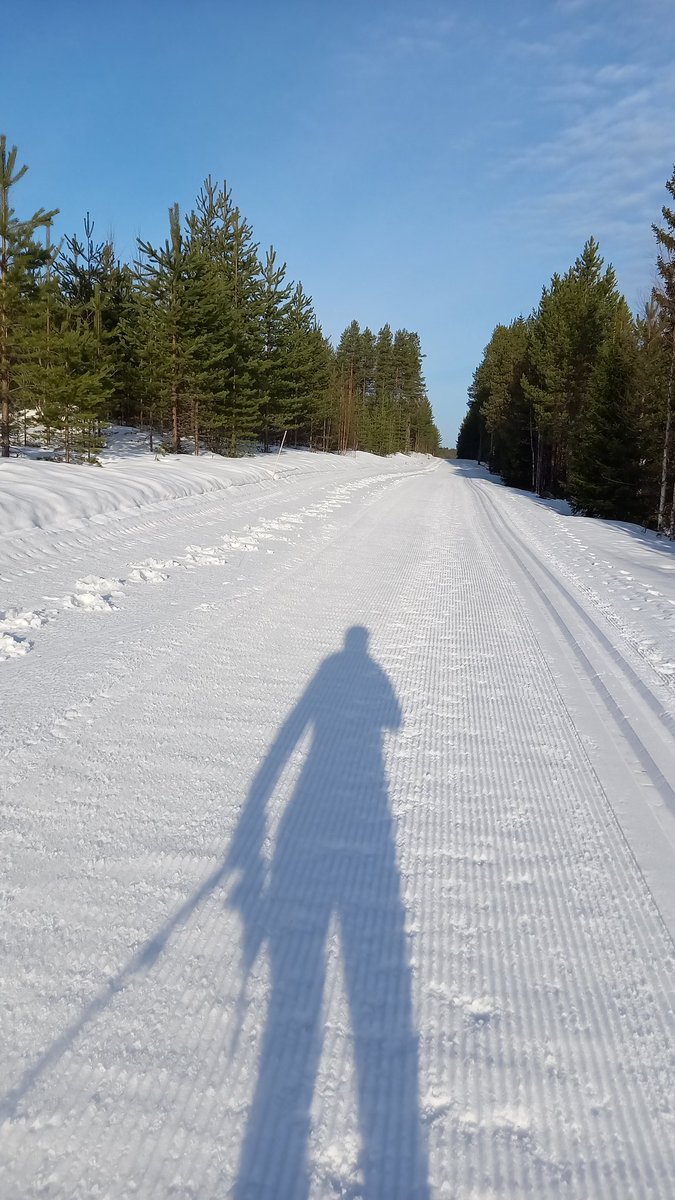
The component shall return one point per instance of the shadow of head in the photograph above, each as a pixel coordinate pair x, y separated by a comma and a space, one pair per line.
356, 640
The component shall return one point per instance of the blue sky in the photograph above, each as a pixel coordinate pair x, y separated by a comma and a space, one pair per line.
427, 164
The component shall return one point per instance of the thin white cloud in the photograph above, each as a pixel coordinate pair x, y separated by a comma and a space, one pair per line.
608, 143
615, 74
389, 41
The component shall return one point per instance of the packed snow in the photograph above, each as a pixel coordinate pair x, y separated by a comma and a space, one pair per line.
338, 835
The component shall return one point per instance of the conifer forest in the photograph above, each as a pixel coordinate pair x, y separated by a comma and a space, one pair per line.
202, 339
575, 401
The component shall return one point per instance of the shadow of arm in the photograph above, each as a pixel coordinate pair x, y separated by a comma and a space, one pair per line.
246, 850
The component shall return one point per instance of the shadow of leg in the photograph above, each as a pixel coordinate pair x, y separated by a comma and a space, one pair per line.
394, 1158
273, 1163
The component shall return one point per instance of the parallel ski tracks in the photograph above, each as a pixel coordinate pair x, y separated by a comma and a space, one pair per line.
542, 812
635, 700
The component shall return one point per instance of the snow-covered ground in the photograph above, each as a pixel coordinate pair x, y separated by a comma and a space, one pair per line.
338, 836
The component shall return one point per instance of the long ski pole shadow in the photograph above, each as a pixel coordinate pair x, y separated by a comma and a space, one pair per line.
142, 961
334, 859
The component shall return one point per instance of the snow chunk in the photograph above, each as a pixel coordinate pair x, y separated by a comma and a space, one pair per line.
95, 594
15, 620
205, 556
147, 574
13, 647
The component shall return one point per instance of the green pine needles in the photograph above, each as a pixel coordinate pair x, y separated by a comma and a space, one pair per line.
202, 340
576, 400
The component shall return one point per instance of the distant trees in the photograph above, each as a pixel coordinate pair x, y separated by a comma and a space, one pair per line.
506, 410
576, 400
202, 340
381, 396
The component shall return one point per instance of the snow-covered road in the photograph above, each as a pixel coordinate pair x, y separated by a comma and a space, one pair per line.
338, 846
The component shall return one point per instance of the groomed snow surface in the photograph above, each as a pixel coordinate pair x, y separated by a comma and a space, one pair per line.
338, 836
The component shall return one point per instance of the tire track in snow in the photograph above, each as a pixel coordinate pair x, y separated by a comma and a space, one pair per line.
529, 717
499, 766
643, 729
636, 643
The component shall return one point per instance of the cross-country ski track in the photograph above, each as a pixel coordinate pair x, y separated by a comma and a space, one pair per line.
338, 843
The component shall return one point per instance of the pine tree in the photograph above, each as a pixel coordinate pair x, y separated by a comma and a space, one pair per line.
652, 369
275, 374
365, 391
166, 273
473, 437
307, 363
347, 361
575, 315
605, 466
90, 282
409, 388
21, 259
665, 298
508, 413
76, 386
197, 337
244, 364
385, 378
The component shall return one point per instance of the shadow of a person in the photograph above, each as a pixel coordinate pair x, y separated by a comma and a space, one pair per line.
334, 857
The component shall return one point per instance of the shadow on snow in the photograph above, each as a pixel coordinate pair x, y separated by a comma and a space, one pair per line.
334, 861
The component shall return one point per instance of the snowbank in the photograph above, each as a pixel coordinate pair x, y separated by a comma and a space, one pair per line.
45, 495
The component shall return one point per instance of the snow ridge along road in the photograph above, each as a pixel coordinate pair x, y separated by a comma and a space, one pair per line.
338, 831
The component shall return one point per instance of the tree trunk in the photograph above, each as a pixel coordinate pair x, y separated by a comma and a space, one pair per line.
174, 419
540, 467
666, 443
4, 355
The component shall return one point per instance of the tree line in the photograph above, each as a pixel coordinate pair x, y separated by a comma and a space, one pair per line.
575, 401
201, 339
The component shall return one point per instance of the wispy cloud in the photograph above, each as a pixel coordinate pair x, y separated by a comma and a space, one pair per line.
391, 40
607, 146
572, 6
